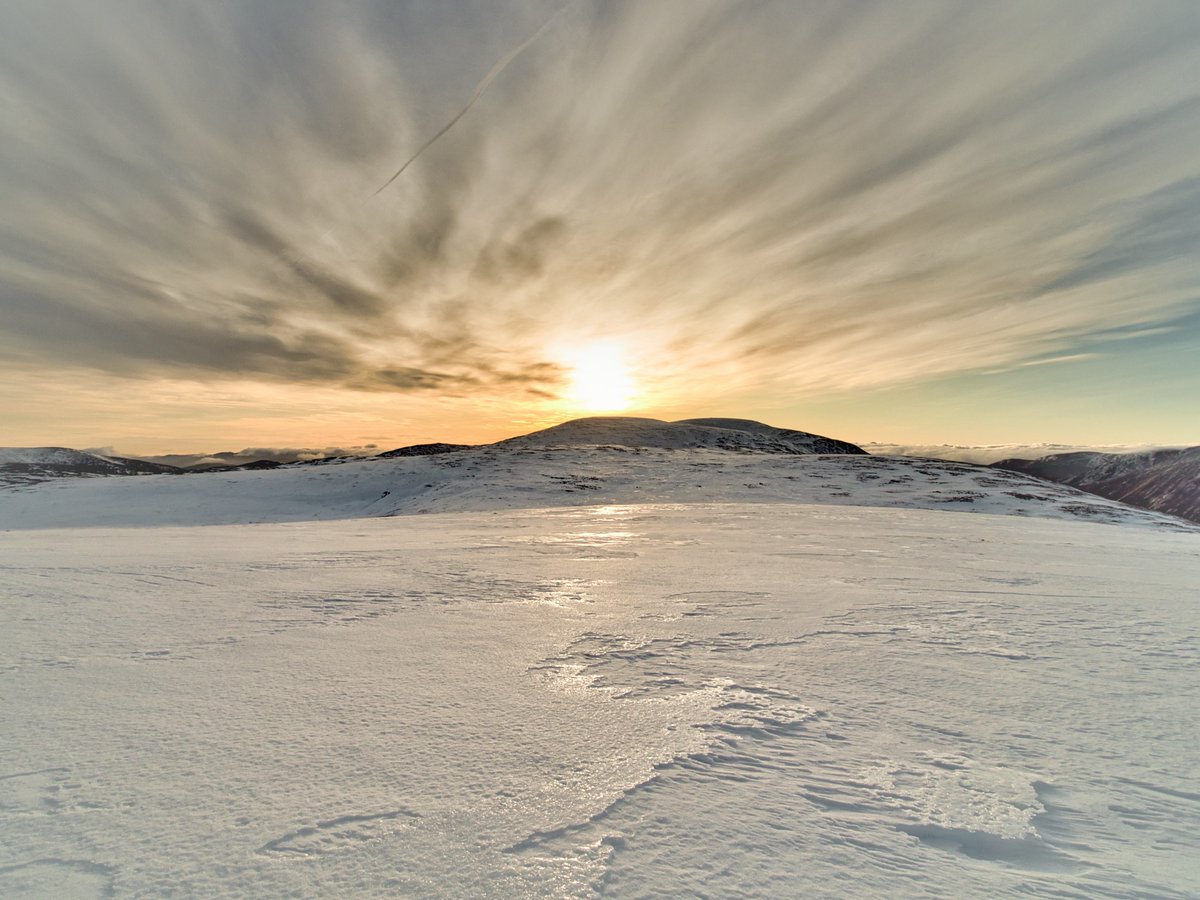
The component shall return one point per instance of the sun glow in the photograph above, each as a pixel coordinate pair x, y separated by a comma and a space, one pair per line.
600, 380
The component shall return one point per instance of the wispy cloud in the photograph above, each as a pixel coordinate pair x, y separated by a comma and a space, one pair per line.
254, 454
797, 195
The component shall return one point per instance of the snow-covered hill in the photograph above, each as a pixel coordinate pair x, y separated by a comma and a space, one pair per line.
513, 475
688, 434
424, 450
29, 465
1165, 480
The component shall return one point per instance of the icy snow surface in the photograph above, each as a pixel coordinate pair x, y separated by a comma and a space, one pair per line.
640, 700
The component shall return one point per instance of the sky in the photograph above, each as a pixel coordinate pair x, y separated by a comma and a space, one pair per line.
309, 224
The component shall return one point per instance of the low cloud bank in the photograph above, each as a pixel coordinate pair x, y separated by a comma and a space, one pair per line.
990, 453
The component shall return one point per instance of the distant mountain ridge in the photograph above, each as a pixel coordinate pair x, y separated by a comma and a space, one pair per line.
1166, 481
585, 463
1160, 480
986, 454
28, 465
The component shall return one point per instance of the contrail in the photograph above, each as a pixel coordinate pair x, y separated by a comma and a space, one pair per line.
479, 92
295, 260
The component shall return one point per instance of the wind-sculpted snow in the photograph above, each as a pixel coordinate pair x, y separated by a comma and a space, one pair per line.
511, 475
633, 701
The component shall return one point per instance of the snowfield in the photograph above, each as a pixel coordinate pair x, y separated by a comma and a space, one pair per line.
841, 685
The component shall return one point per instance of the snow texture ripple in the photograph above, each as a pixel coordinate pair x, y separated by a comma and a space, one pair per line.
725, 699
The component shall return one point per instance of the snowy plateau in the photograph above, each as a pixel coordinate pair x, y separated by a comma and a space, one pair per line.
621, 658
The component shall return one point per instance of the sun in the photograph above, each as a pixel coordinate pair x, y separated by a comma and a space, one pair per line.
599, 379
